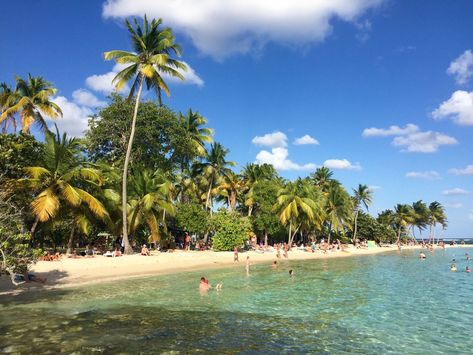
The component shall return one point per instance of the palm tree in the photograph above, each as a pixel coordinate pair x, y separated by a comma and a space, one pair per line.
5, 95
151, 58
198, 135
252, 174
298, 204
61, 181
322, 178
362, 196
436, 215
420, 216
213, 167
31, 98
150, 202
338, 208
401, 218
230, 188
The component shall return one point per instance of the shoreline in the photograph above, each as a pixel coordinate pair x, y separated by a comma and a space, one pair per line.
71, 273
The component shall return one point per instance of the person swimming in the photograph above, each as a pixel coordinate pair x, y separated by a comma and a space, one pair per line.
422, 255
453, 267
204, 285
291, 273
274, 265
467, 269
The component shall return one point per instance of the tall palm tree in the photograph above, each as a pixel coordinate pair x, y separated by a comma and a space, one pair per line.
420, 216
338, 208
401, 218
193, 123
230, 188
213, 167
362, 196
322, 178
5, 97
298, 204
31, 98
61, 181
150, 202
151, 58
436, 215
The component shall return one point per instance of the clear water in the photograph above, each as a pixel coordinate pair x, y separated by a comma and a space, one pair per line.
388, 303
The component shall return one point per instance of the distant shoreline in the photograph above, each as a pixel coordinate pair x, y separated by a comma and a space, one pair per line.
70, 273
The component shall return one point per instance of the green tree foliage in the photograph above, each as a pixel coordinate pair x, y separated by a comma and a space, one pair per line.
231, 230
16, 153
265, 222
161, 141
370, 228
192, 218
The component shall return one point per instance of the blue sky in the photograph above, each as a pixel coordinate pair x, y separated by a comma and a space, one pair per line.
280, 70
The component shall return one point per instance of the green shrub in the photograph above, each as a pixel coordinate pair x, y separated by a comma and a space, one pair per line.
231, 230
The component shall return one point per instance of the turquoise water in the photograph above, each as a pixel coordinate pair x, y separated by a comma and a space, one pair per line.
388, 303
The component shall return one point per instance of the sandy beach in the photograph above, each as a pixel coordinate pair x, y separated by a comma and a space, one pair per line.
69, 272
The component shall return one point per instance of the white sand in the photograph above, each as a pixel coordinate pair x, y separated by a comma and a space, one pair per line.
75, 272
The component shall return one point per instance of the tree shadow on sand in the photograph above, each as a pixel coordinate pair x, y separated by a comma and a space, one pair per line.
53, 278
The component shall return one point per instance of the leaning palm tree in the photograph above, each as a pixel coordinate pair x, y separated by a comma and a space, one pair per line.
401, 218
31, 99
436, 215
151, 59
362, 196
61, 181
420, 216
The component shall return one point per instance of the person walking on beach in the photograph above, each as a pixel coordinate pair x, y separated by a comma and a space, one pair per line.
187, 242
278, 251
235, 255
247, 266
286, 248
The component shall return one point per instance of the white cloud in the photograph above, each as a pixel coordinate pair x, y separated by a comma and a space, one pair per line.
103, 82
86, 98
462, 67
374, 187
273, 140
411, 138
423, 142
306, 140
459, 108
278, 158
468, 170
454, 192
342, 164
454, 205
427, 175
391, 131
221, 28
74, 119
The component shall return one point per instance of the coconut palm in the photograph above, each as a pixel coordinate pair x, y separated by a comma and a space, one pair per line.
230, 188
5, 96
61, 181
151, 59
299, 204
252, 174
213, 167
322, 178
193, 123
436, 215
338, 208
362, 196
150, 202
420, 216
31, 99
401, 218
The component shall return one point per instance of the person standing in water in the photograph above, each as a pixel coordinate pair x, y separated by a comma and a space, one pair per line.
247, 266
235, 255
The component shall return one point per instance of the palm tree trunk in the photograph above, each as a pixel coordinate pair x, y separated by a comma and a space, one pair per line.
329, 232
70, 241
33, 230
356, 227
398, 235
128, 248
250, 210
208, 193
160, 100
265, 238
290, 232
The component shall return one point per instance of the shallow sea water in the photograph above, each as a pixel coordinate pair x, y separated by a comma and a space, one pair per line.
389, 303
